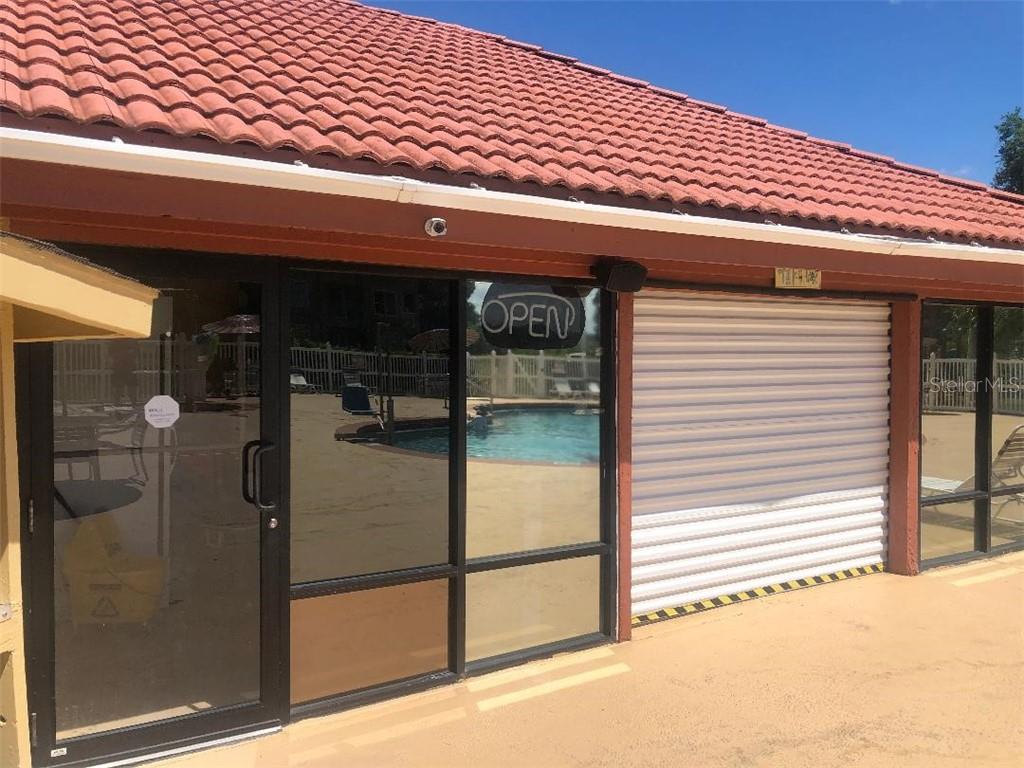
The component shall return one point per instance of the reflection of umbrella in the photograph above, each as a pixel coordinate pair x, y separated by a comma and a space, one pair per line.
236, 381
240, 324
438, 340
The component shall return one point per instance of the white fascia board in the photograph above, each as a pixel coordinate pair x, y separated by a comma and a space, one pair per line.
42, 147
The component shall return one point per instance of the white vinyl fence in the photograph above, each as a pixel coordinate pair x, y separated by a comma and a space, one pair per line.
92, 372
1008, 393
493, 375
328, 370
104, 371
950, 384
513, 375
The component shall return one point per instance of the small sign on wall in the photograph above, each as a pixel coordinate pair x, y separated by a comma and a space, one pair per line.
798, 278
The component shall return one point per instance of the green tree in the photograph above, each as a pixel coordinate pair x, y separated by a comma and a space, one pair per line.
1010, 173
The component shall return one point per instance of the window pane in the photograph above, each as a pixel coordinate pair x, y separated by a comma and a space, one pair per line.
949, 387
369, 370
1008, 399
947, 529
1007, 519
156, 554
533, 439
515, 608
345, 642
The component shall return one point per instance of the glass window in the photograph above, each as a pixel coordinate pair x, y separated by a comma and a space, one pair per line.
1008, 400
951, 338
346, 642
370, 422
947, 529
533, 404
1007, 519
948, 398
156, 554
515, 608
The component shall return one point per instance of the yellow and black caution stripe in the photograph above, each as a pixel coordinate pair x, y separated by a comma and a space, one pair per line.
739, 597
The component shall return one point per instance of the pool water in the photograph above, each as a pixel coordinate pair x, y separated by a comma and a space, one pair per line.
548, 435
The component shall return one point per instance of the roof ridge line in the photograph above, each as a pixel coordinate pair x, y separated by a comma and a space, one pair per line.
842, 147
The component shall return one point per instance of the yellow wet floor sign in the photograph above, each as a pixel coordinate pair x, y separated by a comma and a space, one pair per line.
105, 609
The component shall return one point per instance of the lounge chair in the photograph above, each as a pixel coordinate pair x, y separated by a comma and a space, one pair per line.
561, 387
354, 376
355, 399
297, 383
1008, 464
1007, 471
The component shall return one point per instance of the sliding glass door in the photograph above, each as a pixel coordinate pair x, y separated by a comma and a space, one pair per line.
153, 527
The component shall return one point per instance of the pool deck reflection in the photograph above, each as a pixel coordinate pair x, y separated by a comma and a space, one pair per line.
340, 490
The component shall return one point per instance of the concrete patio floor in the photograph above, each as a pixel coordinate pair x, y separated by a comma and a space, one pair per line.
880, 670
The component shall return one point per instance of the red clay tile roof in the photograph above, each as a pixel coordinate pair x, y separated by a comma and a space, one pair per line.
363, 83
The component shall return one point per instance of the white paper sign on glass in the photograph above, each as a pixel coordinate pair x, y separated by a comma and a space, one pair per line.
162, 411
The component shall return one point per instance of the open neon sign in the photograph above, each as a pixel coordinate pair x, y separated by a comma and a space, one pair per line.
532, 317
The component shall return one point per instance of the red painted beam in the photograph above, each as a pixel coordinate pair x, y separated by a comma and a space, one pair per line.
904, 438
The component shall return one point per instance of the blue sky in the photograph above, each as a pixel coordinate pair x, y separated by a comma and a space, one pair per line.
924, 82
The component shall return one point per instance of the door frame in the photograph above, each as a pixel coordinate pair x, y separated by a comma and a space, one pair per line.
34, 385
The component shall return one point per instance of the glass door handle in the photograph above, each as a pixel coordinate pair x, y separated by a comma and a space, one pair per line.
257, 460
247, 487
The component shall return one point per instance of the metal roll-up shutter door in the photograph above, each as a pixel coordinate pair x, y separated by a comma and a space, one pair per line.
760, 442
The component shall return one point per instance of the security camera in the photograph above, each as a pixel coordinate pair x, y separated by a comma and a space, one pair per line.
436, 227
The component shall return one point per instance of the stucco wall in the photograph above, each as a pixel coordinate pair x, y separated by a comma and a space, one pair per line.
14, 732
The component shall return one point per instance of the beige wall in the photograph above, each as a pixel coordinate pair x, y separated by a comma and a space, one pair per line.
14, 733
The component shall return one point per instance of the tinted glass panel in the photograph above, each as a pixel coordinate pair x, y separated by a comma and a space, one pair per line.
533, 439
948, 398
515, 608
1007, 519
156, 554
346, 642
947, 529
1008, 399
369, 385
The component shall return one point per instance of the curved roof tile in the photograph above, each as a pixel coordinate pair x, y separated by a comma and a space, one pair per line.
358, 82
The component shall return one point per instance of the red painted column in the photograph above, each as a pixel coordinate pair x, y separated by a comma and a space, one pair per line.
904, 438
624, 422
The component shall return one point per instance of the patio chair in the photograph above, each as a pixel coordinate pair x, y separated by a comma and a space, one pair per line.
77, 444
355, 399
